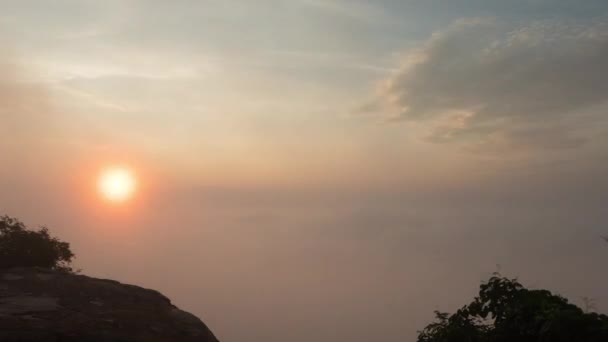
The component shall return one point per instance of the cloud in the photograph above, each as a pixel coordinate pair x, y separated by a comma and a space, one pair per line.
481, 80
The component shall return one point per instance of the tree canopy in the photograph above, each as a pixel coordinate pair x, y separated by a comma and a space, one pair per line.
505, 311
21, 247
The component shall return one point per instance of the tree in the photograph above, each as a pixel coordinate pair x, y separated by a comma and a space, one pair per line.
21, 247
505, 311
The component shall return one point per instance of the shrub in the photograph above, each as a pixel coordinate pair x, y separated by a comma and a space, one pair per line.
505, 311
21, 247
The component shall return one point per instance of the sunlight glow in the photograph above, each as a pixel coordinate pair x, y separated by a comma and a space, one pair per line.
117, 184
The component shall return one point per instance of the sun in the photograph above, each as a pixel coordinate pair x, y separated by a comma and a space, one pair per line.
117, 184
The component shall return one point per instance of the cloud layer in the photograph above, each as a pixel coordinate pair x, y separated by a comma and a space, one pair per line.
542, 84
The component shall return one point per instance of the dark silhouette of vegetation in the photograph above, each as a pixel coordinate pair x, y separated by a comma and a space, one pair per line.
21, 247
505, 311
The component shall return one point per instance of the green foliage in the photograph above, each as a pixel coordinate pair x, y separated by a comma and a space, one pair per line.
505, 311
20, 247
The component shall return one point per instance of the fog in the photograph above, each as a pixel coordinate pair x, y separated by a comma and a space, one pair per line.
299, 184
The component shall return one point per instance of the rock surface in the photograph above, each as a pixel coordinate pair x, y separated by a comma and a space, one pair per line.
43, 305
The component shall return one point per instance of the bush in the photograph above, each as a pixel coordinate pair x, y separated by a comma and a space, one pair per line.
505, 311
21, 247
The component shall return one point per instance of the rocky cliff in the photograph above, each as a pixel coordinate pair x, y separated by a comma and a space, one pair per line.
44, 305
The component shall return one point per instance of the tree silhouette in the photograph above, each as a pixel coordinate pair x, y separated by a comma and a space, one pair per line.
21, 247
505, 311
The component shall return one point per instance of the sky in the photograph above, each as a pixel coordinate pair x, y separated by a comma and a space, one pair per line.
323, 169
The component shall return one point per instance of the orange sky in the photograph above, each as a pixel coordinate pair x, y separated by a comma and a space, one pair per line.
346, 174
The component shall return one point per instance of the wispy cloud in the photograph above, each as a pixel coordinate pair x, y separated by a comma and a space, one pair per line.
484, 81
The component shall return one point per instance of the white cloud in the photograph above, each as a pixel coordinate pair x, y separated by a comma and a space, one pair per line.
481, 80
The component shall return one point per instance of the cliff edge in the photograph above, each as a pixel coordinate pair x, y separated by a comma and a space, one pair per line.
44, 305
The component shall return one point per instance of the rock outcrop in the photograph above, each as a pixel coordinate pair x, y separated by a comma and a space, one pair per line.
43, 305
